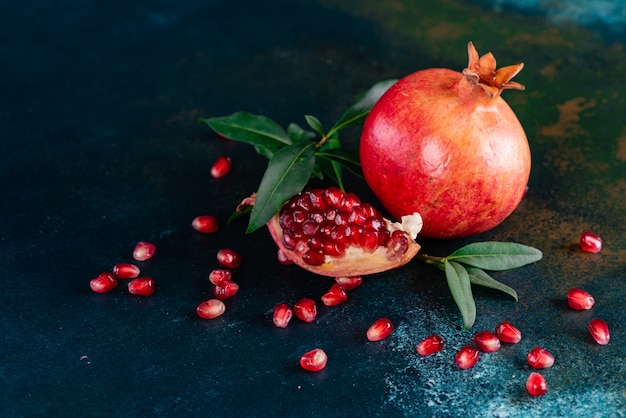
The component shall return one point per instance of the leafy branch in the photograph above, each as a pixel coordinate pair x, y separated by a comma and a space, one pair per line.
467, 265
296, 154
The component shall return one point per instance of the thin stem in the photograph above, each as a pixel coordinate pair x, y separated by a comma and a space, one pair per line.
430, 258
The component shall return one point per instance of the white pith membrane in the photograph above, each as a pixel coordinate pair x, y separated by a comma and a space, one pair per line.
355, 261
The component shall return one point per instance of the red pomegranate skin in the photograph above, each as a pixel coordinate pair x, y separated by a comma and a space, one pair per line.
438, 144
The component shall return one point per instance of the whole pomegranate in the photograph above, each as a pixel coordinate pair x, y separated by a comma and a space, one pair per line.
446, 145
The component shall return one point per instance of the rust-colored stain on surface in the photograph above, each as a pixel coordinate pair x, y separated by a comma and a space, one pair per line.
621, 148
569, 116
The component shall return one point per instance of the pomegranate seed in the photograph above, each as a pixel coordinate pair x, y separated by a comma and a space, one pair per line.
590, 242
225, 289
536, 384
487, 341
283, 259
467, 357
144, 251
599, 330
218, 276
103, 282
507, 333
210, 309
229, 258
430, 345
349, 283
221, 167
379, 330
335, 295
539, 358
143, 286
579, 299
126, 271
305, 309
314, 360
207, 224
282, 315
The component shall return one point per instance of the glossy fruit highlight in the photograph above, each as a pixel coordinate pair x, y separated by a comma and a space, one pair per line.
446, 145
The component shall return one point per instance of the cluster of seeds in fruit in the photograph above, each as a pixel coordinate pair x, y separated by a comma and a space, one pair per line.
142, 286
320, 223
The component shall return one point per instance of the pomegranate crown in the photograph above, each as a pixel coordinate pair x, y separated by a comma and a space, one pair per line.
482, 72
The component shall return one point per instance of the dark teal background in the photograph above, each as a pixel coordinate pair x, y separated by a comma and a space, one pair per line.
100, 148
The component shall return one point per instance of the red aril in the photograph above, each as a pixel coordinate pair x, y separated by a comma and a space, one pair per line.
539, 358
467, 357
536, 384
143, 251
207, 224
210, 309
217, 276
305, 309
332, 233
579, 299
599, 330
221, 167
487, 341
336, 294
282, 315
314, 360
446, 145
143, 286
229, 258
283, 258
125, 271
430, 345
507, 333
349, 283
590, 242
225, 289
379, 330
103, 282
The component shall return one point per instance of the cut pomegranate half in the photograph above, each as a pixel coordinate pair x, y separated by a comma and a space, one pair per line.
331, 233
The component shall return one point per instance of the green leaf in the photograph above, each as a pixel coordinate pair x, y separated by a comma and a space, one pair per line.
480, 278
298, 134
356, 114
461, 290
315, 124
348, 158
252, 129
286, 175
496, 256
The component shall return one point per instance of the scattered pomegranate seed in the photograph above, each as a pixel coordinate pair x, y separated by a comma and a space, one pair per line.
218, 276
283, 259
507, 333
349, 283
221, 167
487, 341
467, 357
144, 251
539, 358
335, 295
103, 282
590, 242
229, 258
210, 309
430, 345
536, 384
314, 360
143, 286
225, 289
305, 309
379, 330
599, 330
579, 299
282, 315
206, 224
125, 271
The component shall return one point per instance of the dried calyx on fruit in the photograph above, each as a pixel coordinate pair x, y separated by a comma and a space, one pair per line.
332, 233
